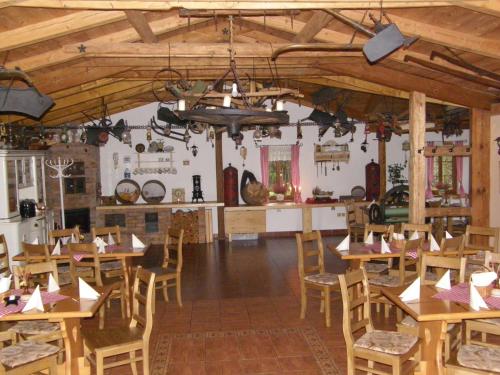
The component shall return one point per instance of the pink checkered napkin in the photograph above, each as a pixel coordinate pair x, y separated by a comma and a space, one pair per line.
12, 309
78, 257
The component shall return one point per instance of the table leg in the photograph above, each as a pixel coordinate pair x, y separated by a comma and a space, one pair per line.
432, 335
127, 275
354, 264
73, 344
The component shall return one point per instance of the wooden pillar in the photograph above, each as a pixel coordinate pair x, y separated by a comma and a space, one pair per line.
480, 167
219, 175
382, 162
417, 159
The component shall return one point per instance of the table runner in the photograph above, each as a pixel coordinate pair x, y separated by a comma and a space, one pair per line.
12, 309
461, 293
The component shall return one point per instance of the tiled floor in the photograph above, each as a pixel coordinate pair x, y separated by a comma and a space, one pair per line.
248, 285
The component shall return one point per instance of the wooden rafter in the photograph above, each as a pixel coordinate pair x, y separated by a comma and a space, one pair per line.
316, 23
140, 23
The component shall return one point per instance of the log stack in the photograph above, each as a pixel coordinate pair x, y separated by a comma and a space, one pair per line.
187, 220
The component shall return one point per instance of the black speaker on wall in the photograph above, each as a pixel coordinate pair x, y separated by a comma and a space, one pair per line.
386, 41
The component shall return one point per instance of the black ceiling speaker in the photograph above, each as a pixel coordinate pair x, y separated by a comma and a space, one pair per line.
25, 102
118, 129
322, 118
386, 41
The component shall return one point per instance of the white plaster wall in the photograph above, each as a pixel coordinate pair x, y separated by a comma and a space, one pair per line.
340, 182
494, 173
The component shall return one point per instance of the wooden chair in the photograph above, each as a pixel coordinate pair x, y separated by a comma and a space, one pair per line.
26, 357
115, 341
78, 269
166, 275
31, 250
484, 326
455, 245
111, 268
354, 228
410, 325
4, 257
384, 348
61, 234
422, 229
400, 277
38, 330
480, 239
312, 273
386, 231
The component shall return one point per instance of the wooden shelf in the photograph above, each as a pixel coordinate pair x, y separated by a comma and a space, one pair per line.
161, 205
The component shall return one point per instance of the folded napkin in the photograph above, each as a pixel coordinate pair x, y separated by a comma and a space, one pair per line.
64, 240
5, 283
483, 278
384, 248
35, 301
447, 235
86, 291
101, 245
444, 282
414, 236
412, 293
476, 301
35, 241
53, 285
137, 243
73, 238
344, 245
398, 236
434, 244
57, 248
111, 241
369, 239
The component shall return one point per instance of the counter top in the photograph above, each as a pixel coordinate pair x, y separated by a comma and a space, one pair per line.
291, 205
161, 205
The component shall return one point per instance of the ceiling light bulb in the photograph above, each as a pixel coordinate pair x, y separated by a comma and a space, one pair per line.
227, 101
279, 105
181, 105
234, 91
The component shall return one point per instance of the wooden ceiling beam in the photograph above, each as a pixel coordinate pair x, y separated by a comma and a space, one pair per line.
60, 56
140, 23
56, 27
432, 33
491, 7
223, 4
410, 82
316, 23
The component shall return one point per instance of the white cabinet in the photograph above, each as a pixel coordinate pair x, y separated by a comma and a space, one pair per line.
22, 176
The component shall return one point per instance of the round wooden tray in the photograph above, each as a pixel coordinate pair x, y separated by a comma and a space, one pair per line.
153, 191
127, 191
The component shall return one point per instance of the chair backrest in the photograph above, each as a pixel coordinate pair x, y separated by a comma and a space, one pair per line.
415, 246
31, 250
142, 305
482, 238
103, 232
355, 304
57, 234
4, 257
379, 230
36, 269
443, 263
84, 255
310, 253
492, 260
173, 243
350, 215
455, 244
408, 229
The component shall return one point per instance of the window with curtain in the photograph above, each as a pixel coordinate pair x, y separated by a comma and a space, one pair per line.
280, 172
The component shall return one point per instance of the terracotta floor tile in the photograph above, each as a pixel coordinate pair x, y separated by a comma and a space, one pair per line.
187, 350
205, 326
230, 367
191, 368
290, 345
260, 366
256, 346
304, 363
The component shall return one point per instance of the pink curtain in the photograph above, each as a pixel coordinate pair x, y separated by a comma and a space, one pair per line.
459, 161
430, 174
264, 165
296, 172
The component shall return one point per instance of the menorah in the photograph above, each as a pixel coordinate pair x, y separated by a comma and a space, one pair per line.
59, 166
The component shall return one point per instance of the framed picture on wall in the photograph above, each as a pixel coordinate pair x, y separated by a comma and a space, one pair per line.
178, 195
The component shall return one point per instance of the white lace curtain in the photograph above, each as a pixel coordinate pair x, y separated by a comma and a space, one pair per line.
280, 153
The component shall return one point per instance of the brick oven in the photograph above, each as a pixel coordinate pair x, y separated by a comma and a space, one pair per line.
80, 187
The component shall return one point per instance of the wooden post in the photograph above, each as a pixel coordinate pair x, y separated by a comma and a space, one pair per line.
219, 175
382, 162
480, 167
417, 159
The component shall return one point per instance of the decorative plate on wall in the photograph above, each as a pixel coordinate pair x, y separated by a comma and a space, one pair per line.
127, 191
358, 192
153, 191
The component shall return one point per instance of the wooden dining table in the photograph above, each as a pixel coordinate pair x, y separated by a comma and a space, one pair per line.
68, 313
433, 315
122, 253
